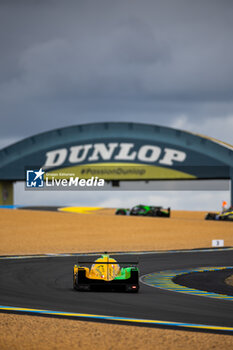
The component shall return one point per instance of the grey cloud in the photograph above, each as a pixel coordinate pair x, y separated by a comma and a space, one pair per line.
160, 49
107, 61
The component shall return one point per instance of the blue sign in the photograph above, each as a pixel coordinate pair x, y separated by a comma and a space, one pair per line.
35, 178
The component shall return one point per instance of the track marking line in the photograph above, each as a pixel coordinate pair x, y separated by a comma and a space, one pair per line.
115, 318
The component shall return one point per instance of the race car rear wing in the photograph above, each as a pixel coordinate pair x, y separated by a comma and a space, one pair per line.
129, 263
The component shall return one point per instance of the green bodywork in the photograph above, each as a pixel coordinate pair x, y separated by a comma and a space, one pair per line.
144, 210
125, 273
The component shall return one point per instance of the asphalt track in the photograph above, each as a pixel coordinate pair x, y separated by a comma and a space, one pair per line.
46, 283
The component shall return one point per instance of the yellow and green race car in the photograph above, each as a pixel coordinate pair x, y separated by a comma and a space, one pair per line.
107, 274
225, 215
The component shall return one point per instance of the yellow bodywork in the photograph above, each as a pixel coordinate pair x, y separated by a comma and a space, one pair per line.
102, 269
227, 213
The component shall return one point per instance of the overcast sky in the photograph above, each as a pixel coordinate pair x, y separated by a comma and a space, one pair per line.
167, 62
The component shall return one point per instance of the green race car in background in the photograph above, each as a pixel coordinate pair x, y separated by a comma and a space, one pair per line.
145, 210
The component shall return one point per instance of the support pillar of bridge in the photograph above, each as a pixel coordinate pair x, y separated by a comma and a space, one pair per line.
6, 193
231, 186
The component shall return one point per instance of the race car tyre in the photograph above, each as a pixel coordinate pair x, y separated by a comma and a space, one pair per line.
211, 216
74, 281
121, 212
226, 218
151, 213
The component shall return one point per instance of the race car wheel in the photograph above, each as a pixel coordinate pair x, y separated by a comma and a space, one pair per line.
120, 212
150, 213
74, 281
210, 216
